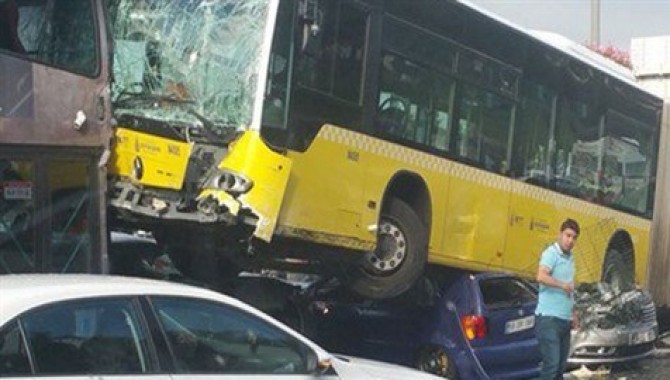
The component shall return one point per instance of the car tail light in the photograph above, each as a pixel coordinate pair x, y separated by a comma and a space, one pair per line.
474, 326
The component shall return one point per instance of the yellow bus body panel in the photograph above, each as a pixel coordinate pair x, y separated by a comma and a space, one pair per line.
164, 160
333, 193
480, 220
269, 172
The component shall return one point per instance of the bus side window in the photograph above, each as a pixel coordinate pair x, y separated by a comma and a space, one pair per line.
9, 25
332, 53
404, 100
317, 43
440, 132
483, 128
576, 158
350, 53
330, 45
532, 133
60, 34
277, 86
626, 168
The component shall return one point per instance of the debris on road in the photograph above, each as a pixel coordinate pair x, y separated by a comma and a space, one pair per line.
585, 373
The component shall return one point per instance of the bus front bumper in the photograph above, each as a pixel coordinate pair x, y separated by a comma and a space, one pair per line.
210, 207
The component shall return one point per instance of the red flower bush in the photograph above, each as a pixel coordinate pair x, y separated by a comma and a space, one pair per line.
612, 52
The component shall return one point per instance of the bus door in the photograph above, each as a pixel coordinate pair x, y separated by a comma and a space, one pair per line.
479, 189
18, 248
532, 214
50, 211
477, 219
53, 72
531, 229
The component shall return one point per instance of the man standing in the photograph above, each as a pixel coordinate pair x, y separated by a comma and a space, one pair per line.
555, 304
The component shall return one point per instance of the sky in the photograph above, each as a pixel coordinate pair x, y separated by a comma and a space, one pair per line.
620, 20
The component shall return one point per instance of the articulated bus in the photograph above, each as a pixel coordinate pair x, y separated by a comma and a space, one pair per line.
370, 138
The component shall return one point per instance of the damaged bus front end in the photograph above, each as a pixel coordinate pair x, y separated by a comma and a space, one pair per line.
187, 94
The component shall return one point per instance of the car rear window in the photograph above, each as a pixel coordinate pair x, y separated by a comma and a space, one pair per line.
503, 292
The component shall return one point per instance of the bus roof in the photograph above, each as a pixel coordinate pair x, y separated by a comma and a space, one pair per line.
566, 46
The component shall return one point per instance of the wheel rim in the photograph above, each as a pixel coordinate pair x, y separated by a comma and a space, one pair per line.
391, 249
435, 361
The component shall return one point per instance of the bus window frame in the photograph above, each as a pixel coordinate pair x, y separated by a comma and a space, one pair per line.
96, 47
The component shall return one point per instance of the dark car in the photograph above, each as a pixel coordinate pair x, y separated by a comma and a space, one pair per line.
471, 326
136, 254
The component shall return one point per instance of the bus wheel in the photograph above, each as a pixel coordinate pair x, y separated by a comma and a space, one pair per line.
435, 360
400, 255
618, 272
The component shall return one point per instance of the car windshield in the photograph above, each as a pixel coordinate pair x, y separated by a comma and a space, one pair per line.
187, 60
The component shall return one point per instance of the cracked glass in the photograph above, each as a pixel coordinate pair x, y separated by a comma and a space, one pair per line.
187, 60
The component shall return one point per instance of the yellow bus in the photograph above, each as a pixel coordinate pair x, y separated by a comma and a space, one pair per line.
368, 138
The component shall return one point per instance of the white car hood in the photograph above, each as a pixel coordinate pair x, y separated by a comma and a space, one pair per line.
348, 367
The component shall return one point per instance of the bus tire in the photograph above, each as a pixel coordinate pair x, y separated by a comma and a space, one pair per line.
399, 258
617, 272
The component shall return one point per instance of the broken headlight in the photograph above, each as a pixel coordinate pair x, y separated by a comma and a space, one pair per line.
230, 182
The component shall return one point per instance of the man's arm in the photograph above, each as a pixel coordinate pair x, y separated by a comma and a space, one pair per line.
544, 277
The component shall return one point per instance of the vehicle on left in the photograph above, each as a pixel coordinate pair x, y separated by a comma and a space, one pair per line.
78, 326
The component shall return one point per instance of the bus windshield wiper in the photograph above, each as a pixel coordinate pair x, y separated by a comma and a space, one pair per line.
125, 98
215, 131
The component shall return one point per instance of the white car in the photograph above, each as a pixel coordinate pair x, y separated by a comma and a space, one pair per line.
90, 326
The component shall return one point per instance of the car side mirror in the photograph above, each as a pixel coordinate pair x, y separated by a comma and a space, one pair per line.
319, 363
323, 366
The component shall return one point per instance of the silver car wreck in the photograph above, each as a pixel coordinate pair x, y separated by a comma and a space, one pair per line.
614, 326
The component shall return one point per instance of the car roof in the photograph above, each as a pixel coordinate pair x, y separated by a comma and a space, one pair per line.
452, 276
21, 292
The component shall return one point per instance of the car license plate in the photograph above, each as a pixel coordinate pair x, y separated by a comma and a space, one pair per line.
642, 337
520, 324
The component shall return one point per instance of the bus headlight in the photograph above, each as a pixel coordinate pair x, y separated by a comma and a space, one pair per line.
138, 169
231, 182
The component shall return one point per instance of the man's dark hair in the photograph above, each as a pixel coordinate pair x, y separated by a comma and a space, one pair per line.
571, 224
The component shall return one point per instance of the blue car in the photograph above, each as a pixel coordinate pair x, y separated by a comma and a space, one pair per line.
460, 326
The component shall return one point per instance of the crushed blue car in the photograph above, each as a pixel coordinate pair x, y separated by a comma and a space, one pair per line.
459, 325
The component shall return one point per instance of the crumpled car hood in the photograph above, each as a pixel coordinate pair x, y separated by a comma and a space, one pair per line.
598, 306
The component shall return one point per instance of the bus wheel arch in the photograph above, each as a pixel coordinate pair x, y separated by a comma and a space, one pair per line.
412, 189
402, 241
619, 262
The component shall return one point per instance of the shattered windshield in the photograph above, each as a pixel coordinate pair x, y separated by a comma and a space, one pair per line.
187, 60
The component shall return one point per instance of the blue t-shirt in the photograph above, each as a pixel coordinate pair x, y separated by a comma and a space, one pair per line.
553, 301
